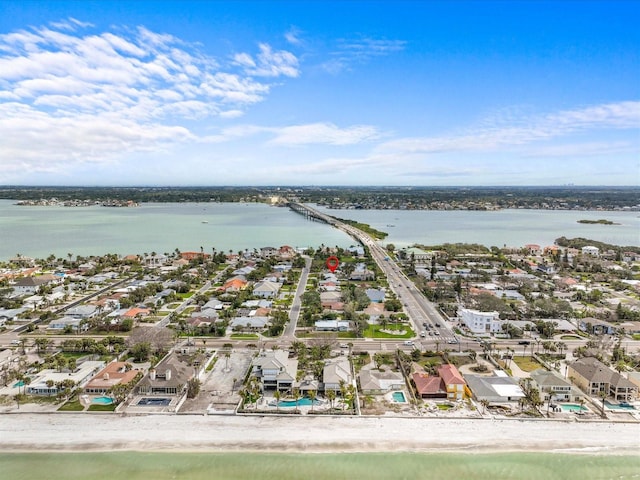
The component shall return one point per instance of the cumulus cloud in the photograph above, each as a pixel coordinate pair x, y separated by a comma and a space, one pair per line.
71, 93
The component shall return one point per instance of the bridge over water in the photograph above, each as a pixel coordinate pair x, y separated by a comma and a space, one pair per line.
312, 214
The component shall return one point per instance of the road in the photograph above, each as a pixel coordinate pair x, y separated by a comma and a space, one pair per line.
296, 306
420, 310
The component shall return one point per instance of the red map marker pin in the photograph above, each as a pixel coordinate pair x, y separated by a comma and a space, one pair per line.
332, 263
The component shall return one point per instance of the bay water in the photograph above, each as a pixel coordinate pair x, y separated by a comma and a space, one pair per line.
162, 227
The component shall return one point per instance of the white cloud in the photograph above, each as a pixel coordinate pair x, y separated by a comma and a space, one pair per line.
324, 133
269, 63
70, 94
360, 50
524, 131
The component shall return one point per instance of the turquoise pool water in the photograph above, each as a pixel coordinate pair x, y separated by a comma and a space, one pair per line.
102, 400
615, 406
18, 384
399, 397
573, 407
302, 402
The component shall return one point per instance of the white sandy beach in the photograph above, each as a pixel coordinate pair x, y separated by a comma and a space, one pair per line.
82, 432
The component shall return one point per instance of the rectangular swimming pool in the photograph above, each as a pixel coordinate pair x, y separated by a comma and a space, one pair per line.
154, 402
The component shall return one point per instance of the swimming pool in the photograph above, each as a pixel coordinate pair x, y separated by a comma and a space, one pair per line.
154, 402
102, 400
302, 402
399, 397
18, 384
573, 407
616, 406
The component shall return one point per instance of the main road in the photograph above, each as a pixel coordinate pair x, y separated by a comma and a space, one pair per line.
422, 313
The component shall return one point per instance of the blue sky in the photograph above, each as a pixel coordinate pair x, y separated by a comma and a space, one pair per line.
319, 93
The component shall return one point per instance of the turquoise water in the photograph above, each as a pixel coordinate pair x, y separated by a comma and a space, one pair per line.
570, 407
18, 384
615, 406
40, 231
295, 466
102, 400
399, 397
302, 402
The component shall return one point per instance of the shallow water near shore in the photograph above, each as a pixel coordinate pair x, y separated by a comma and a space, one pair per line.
290, 466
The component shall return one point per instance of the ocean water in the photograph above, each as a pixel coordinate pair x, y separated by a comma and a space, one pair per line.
163, 227
290, 466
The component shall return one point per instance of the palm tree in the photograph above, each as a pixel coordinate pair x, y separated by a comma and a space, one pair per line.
296, 395
484, 403
331, 396
277, 395
312, 396
603, 395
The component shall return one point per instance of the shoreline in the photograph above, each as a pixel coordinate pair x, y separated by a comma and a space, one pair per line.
31, 433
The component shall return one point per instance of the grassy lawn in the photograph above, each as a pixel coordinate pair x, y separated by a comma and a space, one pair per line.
185, 295
570, 337
102, 408
244, 336
636, 336
373, 331
72, 406
162, 314
189, 310
526, 364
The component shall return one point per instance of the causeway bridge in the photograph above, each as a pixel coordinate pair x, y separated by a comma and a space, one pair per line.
312, 214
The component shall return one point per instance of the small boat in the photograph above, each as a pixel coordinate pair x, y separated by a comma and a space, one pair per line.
204, 221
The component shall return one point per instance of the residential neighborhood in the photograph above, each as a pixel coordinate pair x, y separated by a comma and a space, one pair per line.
520, 332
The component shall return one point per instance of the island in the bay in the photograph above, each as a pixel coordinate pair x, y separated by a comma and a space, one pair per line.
597, 222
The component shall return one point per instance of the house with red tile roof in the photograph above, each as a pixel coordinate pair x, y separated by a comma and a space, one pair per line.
115, 373
234, 284
455, 385
136, 312
429, 386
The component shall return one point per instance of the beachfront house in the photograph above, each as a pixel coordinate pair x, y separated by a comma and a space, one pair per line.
275, 370
553, 387
335, 373
378, 382
47, 382
454, 384
115, 373
594, 377
499, 388
171, 375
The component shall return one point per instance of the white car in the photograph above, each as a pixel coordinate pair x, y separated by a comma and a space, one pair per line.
409, 343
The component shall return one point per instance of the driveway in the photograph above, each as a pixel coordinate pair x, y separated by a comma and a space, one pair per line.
220, 386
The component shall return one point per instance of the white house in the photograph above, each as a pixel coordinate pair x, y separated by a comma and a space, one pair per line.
480, 322
590, 250
332, 325
275, 370
266, 289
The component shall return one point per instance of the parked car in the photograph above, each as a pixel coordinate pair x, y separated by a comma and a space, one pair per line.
409, 343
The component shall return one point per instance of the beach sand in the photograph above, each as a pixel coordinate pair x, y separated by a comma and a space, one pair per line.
88, 432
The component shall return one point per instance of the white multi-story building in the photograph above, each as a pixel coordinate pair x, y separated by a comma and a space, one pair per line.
480, 322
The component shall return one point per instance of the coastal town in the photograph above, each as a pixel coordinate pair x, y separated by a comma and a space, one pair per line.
448, 331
